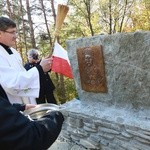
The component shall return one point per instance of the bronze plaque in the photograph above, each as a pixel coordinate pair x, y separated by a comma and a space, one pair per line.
92, 69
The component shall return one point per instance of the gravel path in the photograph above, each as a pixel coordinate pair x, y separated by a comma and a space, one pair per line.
64, 145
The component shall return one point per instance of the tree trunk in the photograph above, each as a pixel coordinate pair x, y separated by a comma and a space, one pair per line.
110, 18
88, 8
46, 24
31, 24
62, 89
10, 14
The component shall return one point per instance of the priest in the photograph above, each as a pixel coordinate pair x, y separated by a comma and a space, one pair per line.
19, 85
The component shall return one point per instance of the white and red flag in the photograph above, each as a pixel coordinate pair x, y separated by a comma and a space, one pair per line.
61, 63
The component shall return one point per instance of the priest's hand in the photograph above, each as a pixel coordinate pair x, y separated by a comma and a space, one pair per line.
46, 63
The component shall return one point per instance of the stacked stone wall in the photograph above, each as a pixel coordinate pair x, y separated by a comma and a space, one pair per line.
100, 134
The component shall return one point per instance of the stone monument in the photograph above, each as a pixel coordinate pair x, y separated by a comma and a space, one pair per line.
118, 119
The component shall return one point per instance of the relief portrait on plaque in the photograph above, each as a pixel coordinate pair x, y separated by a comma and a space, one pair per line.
92, 69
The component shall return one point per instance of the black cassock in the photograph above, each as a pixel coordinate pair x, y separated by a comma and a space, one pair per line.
17, 132
46, 86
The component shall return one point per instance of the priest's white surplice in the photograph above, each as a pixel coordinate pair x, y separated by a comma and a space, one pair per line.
20, 85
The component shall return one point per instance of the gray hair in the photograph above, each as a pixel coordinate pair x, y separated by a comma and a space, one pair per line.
6, 23
32, 52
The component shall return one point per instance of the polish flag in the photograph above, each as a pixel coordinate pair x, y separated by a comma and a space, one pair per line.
61, 63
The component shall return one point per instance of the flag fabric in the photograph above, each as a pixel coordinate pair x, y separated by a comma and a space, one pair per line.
61, 63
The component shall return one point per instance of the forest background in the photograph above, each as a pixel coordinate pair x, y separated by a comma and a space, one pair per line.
36, 20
